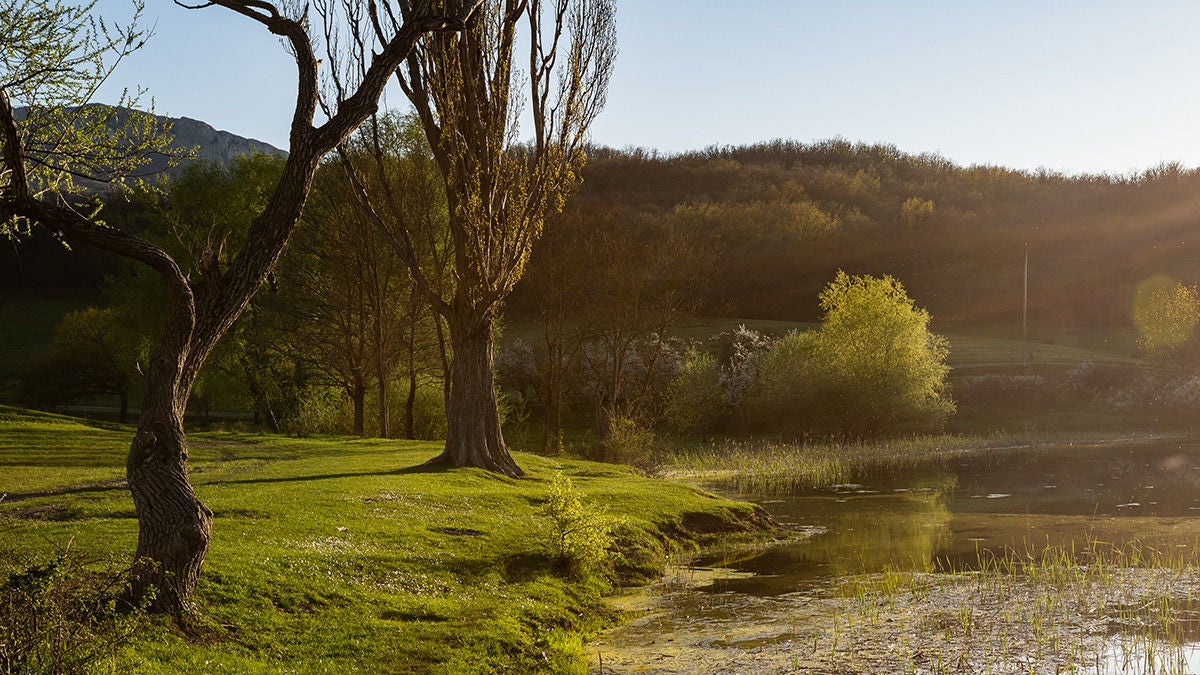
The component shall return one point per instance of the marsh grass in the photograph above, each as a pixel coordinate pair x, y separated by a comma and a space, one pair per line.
768, 467
1105, 608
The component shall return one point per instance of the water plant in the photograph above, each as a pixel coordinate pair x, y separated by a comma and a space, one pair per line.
1106, 608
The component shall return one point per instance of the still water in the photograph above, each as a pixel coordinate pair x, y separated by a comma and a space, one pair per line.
753, 614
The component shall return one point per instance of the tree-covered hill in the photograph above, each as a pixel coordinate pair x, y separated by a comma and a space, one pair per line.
766, 226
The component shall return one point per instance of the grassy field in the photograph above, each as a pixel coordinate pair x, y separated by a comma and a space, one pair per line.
341, 555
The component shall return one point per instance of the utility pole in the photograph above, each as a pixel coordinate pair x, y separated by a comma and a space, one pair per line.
1025, 314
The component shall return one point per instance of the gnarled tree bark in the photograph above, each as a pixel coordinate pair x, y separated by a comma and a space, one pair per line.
473, 436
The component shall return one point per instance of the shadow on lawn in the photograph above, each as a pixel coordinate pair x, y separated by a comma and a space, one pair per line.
425, 468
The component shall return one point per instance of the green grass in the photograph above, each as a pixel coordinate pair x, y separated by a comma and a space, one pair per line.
343, 555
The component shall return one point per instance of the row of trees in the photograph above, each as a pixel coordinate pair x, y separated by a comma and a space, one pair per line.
340, 319
872, 367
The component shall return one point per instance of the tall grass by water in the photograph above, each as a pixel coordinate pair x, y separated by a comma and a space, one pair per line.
1103, 609
763, 467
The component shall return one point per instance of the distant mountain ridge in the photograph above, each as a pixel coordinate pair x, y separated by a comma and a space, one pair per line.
211, 144
215, 145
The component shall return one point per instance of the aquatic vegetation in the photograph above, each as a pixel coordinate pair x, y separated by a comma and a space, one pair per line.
1102, 609
768, 467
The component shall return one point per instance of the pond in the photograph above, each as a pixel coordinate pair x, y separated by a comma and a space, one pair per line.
893, 558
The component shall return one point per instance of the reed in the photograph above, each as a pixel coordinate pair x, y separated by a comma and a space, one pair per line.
1104, 609
771, 467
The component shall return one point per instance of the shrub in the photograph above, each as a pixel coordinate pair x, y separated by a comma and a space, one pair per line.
872, 368
319, 410
581, 532
628, 442
740, 351
695, 398
1090, 379
783, 396
986, 392
57, 618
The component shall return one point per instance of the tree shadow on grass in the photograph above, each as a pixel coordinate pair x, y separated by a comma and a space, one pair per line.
424, 468
98, 486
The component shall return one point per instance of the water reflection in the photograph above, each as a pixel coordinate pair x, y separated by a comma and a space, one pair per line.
861, 532
784, 610
945, 516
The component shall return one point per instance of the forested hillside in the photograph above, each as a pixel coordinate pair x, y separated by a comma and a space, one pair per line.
762, 228
341, 339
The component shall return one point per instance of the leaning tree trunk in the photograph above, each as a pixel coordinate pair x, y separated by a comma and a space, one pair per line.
174, 527
473, 436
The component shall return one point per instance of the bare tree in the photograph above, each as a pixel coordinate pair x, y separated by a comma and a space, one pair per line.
174, 527
468, 93
345, 301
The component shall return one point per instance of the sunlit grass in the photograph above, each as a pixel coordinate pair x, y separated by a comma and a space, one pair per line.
343, 555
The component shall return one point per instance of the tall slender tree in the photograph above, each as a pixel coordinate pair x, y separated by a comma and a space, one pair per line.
468, 93
53, 59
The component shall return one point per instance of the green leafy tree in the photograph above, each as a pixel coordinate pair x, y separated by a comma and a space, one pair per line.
54, 59
888, 367
873, 367
357, 314
93, 355
1166, 313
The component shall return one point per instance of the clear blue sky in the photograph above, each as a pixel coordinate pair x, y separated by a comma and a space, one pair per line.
1069, 85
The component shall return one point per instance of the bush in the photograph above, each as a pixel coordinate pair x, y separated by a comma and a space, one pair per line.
319, 410
872, 368
429, 412
57, 618
784, 395
695, 398
628, 442
740, 352
582, 533
987, 392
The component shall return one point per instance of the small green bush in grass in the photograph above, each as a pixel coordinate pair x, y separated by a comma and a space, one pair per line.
582, 532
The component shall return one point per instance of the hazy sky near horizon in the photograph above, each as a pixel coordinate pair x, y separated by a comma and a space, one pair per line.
1078, 86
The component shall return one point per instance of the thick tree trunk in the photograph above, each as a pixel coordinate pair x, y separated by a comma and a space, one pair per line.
473, 436
174, 527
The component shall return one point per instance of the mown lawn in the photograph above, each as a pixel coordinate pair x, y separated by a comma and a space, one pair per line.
345, 555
